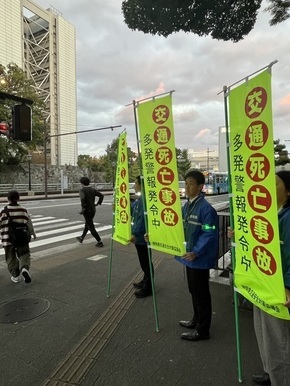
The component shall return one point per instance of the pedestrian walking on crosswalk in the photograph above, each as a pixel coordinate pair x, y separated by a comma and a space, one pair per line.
87, 197
16, 232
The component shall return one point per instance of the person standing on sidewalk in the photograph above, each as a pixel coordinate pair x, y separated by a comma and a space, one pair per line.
17, 255
200, 222
273, 334
143, 288
87, 197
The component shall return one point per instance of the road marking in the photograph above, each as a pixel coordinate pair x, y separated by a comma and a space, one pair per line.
54, 226
97, 257
43, 219
57, 231
39, 222
38, 243
54, 206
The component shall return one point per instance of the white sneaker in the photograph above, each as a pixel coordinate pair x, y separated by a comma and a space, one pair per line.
25, 273
16, 279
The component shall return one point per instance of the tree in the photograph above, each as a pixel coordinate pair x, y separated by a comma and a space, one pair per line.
14, 81
183, 163
281, 153
107, 163
279, 9
221, 19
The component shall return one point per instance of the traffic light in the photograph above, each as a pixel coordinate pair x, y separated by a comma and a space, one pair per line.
21, 123
4, 128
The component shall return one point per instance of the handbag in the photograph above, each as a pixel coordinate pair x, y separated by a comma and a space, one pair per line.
18, 233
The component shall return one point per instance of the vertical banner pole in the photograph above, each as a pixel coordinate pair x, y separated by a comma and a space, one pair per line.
121, 223
233, 258
146, 220
111, 247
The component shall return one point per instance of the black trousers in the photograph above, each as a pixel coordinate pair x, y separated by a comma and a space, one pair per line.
198, 285
142, 251
89, 226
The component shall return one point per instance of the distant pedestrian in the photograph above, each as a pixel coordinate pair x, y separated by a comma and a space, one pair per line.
16, 246
200, 223
87, 197
143, 288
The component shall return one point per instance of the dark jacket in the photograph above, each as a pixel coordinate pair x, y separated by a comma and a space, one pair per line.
138, 221
284, 232
200, 222
87, 196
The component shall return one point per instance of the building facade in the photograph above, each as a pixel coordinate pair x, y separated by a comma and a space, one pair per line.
206, 160
43, 44
223, 163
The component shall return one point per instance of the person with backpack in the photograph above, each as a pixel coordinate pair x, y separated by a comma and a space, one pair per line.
16, 231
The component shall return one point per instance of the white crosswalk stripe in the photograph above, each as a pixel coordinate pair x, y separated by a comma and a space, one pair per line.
51, 230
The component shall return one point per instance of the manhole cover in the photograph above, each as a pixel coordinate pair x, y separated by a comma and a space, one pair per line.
22, 309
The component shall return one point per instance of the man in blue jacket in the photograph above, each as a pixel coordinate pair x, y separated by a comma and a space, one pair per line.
200, 222
143, 287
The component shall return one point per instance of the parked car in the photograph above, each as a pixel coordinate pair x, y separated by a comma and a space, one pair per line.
132, 193
207, 189
181, 185
131, 188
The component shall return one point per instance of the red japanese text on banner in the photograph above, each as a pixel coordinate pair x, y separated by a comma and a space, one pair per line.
122, 218
160, 174
258, 271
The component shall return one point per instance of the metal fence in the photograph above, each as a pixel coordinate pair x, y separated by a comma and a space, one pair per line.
52, 187
224, 242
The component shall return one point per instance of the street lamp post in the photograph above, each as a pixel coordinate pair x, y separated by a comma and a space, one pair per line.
29, 156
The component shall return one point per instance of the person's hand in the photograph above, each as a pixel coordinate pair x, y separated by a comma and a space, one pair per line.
189, 256
230, 232
287, 303
82, 211
133, 239
146, 237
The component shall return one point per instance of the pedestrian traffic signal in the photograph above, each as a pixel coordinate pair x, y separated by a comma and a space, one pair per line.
21, 123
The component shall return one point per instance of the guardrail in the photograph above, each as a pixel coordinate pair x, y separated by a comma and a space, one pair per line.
52, 187
224, 244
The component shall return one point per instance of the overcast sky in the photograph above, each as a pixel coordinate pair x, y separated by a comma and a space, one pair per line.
116, 66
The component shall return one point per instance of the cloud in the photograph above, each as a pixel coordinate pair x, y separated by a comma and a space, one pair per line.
116, 66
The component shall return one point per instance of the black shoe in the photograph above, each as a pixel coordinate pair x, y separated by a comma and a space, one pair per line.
80, 239
263, 379
194, 336
138, 285
188, 323
99, 244
26, 275
142, 293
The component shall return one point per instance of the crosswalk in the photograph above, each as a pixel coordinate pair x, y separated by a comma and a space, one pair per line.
51, 230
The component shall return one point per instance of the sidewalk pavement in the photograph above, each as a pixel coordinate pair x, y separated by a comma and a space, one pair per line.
87, 338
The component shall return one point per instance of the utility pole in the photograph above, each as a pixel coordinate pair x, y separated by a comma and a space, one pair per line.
208, 151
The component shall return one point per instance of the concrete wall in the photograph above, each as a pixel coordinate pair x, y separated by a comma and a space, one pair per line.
20, 174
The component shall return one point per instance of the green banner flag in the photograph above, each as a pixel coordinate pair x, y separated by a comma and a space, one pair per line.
258, 271
160, 176
122, 218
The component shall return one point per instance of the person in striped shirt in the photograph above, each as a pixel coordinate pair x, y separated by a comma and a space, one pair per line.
17, 257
